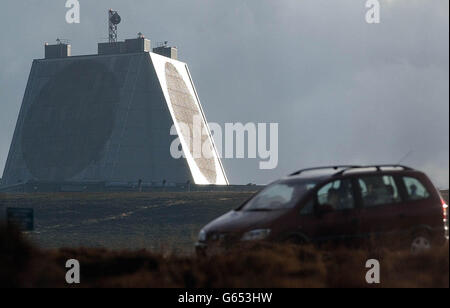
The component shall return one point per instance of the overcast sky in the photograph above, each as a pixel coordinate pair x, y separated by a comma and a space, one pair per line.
342, 90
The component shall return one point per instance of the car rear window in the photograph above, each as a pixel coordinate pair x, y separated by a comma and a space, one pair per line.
378, 190
415, 189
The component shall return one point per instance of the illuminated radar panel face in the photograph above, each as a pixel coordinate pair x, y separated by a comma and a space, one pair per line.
185, 109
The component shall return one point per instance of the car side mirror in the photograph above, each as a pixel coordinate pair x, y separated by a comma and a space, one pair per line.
323, 210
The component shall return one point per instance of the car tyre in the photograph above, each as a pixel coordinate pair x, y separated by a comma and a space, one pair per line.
420, 243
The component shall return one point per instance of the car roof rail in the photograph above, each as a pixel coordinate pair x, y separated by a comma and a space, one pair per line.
377, 167
336, 167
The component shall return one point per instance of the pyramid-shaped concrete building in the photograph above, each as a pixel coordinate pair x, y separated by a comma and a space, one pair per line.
107, 118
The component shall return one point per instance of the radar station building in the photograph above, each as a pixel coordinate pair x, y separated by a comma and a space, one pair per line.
108, 118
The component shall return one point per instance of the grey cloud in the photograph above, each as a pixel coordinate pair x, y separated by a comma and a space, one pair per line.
343, 91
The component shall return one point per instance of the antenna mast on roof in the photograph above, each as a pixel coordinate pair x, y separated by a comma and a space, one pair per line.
113, 20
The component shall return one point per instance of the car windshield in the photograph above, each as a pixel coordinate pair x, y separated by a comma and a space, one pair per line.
280, 195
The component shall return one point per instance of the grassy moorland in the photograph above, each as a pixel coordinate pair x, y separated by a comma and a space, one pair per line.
262, 265
112, 227
152, 221
165, 220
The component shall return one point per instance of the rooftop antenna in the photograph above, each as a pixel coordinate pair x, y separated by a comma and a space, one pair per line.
113, 20
404, 157
162, 44
61, 41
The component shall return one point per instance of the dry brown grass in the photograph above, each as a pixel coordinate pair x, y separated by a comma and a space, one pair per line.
261, 265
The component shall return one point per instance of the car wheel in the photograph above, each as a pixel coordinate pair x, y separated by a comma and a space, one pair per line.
421, 243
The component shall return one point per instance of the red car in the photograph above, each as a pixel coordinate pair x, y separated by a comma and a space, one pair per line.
350, 203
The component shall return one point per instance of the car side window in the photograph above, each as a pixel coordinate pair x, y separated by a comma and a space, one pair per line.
378, 190
415, 189
336, 195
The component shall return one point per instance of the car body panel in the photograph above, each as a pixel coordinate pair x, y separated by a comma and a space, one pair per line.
402, 217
